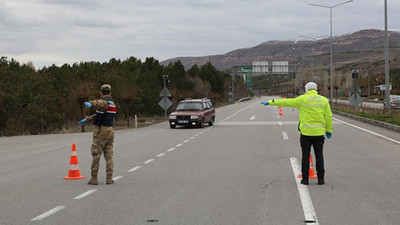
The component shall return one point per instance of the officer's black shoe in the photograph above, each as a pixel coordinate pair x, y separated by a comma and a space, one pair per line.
304, 181
321, 181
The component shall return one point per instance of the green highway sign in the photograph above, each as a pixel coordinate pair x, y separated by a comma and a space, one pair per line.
246, 69
249, 83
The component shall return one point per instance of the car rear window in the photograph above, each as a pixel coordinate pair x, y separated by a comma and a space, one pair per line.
190, 106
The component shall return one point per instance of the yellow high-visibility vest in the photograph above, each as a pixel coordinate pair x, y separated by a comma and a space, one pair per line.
315, 116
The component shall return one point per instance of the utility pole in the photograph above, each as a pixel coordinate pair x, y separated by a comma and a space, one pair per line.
331, 47
165, 103
387, 83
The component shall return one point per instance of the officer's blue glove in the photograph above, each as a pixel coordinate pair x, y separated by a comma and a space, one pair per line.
328, 135
87, 104
82, 122
265, 103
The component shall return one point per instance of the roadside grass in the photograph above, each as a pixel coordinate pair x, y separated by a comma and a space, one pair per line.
370, 113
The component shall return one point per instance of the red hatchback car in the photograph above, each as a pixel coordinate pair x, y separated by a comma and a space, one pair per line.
193, 113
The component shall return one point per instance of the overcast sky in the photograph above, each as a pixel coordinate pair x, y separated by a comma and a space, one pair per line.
49, 32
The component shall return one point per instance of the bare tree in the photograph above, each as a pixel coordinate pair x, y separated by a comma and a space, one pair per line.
81, 92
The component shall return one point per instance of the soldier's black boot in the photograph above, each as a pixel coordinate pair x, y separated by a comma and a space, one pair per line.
321, 181
109, 179
93, 180
304, 181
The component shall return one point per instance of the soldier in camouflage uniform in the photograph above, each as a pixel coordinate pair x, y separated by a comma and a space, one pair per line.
103, 134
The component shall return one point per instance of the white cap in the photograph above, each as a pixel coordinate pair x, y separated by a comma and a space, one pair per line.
311, 86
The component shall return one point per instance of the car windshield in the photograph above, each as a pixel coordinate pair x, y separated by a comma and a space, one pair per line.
189, 106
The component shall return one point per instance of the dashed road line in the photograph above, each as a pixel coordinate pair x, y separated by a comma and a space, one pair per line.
117, 178
86, 194
285, 136
134, 169
149, 161
236, 113
48, 213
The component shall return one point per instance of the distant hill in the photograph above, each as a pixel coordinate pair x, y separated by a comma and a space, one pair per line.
358, 47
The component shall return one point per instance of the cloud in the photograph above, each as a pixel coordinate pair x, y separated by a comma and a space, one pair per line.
68, 31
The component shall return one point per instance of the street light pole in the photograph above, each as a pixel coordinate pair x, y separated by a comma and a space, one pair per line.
387, 84
331, 49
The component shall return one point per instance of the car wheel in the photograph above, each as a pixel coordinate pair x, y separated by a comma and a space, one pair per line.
211, 123
172, 126
201, 124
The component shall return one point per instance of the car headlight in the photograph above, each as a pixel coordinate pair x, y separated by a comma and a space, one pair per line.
172, 117
194, 117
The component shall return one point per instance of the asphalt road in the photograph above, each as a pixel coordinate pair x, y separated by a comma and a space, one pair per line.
239, 171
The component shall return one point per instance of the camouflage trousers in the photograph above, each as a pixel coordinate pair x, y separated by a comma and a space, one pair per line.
100, 146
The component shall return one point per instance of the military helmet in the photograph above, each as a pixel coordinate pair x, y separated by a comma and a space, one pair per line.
105, 87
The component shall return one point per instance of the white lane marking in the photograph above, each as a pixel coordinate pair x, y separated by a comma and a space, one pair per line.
191, 138
171, 149
368, 131
308, 208
178, 145
185, 141
117, 178
252, 118
236, 113
160, 155
86, 194
149, 161
285, 136
256, 123
48, 213
134, 169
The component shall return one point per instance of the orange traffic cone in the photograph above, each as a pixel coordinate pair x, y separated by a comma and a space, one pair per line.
73, 173
311, 174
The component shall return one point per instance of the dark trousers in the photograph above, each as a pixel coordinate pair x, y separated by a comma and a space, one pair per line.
318, 144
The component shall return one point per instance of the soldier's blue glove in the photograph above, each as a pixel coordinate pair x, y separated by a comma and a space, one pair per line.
328, 135
265, 103
82, 122
87, 104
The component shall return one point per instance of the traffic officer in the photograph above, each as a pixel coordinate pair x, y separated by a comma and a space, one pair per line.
103, 134
315, 120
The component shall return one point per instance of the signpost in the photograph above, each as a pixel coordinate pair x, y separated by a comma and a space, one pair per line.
355, 99
165, 103
230, 94
248, 71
